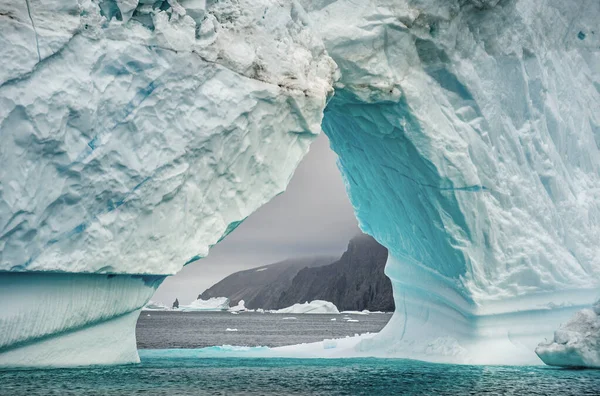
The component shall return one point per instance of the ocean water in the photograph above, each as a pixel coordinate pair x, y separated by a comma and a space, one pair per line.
173, 367
164, 330
167, 375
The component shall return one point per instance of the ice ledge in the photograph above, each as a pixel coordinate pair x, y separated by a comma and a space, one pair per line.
59, 320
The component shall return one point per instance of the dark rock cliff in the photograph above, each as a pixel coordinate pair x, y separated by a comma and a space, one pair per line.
356, 281
262, 287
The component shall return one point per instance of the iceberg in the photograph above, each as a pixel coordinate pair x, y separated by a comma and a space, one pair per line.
240, 307
135, 136
363, 312
576, 343
212, 304
313, 307
468, 136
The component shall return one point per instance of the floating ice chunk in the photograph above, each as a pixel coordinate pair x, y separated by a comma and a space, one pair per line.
289, 318
363, 312
241, 307
228, 329
313, 307
212, 304
577, 343
352, 320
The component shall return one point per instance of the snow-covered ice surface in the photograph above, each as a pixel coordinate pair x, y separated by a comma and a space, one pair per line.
136, 136
576, 343
313, 307
212, 304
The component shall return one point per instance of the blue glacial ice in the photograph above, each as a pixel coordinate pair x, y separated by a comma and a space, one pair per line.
135, 136
468, 135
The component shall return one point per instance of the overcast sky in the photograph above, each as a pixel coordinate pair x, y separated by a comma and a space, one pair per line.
313, 217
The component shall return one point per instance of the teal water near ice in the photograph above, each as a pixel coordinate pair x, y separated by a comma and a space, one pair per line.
165, 373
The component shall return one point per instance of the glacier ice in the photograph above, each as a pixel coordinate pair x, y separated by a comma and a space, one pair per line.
134, 137
133, 149
60, 319
576, 343
137, 135
468, 135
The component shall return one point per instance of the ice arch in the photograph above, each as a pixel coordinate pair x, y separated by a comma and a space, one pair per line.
468, 138
136, 135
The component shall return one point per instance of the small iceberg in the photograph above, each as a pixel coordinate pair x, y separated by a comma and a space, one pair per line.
240, 307
211, 305
576, 343
313, 307
363, 312
289, 318
228, 329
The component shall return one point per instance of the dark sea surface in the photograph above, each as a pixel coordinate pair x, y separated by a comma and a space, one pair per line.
182, 372
164, 330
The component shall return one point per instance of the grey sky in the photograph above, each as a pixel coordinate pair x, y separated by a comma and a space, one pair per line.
312, 217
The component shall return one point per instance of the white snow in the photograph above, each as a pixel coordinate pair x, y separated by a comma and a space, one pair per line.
313, 307
576, 343
212, 304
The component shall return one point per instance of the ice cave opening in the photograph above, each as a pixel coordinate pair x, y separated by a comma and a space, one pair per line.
452, 305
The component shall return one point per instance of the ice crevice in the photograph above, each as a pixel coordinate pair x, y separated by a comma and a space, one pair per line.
37, 44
